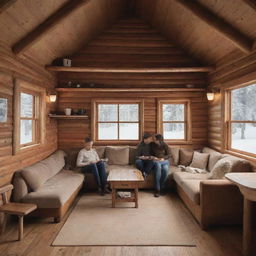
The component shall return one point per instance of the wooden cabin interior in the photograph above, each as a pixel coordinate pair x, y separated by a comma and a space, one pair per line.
115, 73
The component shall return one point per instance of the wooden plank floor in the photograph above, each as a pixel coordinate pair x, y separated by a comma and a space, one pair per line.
39, 234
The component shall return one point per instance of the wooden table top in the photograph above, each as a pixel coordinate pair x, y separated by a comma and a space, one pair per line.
17, 208
244, 179
125, 175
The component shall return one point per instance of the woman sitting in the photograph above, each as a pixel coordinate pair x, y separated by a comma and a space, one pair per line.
89, 161
160, 151
144, 162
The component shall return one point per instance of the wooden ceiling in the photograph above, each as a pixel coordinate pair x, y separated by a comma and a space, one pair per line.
209, 30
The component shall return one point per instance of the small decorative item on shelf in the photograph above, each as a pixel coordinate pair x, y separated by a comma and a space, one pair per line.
66, 62
78, 85
75, 112
81, 111
69, 84
68, 111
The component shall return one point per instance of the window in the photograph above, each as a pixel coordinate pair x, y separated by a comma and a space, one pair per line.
173, 120
29, 115
118, 121
241, 120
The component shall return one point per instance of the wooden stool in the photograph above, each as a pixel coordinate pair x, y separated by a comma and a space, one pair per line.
17, 209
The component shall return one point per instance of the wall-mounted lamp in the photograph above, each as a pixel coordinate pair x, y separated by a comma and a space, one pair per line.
210, 96
52, 97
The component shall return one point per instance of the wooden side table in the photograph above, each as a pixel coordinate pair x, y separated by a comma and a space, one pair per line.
17, 209
247, 184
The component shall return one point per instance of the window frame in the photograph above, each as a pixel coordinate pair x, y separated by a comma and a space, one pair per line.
38, 117
228, 122
94, 122
187, 120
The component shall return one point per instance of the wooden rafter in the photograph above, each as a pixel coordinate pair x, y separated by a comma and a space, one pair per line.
219, 24
4, 4
130, 70
35, 35
251, 3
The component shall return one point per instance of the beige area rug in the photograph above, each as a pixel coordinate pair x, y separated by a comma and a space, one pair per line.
157, 222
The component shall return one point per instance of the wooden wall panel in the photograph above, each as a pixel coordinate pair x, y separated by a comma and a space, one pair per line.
232, 72
72, 132
10, 69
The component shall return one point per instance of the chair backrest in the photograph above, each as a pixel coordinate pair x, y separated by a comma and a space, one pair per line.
3, 192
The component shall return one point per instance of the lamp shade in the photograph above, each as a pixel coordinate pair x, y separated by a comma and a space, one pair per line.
210, 96
53, 97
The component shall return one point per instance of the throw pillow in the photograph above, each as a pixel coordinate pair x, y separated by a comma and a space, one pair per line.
200, 160
185, 156
117, 155
100, 151
219, 170
174, 155
132, 154
214, 157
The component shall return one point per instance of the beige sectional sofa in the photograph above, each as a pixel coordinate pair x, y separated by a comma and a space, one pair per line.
53, 183
48, 185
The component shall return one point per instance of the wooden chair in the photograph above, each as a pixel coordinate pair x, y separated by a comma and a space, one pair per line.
17, 209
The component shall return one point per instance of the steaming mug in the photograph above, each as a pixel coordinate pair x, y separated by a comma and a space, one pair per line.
68, 111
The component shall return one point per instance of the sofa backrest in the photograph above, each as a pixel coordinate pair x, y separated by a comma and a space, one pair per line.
214, 157
32, 177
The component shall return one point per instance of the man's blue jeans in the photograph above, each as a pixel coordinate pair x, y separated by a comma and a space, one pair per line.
161, 170
144, 165
99, 173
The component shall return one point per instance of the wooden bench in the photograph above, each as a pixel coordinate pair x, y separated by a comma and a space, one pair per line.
17, 209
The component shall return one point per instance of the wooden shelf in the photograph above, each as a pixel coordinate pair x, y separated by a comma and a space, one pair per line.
131, 70
71, 117
130, 89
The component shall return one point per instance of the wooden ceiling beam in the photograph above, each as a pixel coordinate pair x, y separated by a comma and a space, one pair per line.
5, 4
236, 37
36, 34
130, 70
251, 3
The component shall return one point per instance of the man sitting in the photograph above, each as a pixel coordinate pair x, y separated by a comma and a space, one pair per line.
89, 161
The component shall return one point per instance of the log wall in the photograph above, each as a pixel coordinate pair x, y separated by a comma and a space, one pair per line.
10, 69
72, 132
234, 70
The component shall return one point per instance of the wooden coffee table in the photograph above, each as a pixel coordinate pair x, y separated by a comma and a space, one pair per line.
125, 180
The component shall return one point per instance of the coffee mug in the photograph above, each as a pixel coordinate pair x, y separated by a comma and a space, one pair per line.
68, 111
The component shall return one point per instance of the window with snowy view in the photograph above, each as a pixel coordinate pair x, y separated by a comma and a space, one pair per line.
118, 122
242, 123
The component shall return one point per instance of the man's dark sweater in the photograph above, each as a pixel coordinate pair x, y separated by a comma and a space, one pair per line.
143, 149
160, 151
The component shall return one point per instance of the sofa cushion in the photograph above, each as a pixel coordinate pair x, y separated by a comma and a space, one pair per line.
37, 174
229, 164
192, 188
132, 154
185, 156
179, 177
56, 191
118, 155
174, 155
214, 157
20, 187
100, 151
200, 160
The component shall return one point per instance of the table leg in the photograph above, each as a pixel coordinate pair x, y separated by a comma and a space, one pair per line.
20, 228
136, 197
247, 228
113, 197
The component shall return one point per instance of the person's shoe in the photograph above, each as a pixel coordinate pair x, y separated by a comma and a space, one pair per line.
163, 192
157, 193
101, 192
107, 190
